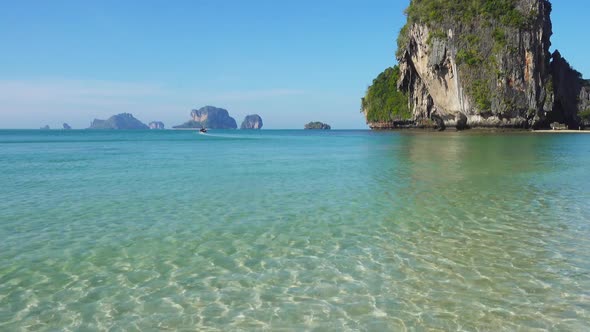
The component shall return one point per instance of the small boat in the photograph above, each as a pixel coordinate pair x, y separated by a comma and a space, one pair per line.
203, 130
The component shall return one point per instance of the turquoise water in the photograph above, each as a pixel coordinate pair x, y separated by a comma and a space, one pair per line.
294, 230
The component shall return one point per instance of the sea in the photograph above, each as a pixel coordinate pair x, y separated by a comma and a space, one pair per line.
293, 230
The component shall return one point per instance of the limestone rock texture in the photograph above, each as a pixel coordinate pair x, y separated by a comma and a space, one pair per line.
209, 117
253, 121
485, 63
572, 95
156, 125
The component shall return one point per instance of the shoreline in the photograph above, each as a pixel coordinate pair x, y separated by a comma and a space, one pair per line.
484, 130
565, 131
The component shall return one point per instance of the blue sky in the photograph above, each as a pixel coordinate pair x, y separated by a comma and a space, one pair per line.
289, 61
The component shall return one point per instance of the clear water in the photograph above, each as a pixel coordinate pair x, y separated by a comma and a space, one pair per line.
294, 230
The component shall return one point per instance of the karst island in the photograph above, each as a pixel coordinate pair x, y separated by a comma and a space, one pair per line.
473, 64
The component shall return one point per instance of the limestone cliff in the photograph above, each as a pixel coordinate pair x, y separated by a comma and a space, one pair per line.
584, 108
123, 121
156, 125
314, 125
209, 117
253, 121
480, 63
572, 95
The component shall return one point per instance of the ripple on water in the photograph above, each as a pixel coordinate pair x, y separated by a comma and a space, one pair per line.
386, 232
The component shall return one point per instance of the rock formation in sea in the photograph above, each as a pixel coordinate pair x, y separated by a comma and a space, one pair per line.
209, 117
479, 63
253, 121
45, 127
156, 125
66, 126
317, 125
119, 121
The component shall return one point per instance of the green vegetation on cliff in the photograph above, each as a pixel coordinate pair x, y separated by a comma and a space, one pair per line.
477, 56
478, 62
383, 101
436, 11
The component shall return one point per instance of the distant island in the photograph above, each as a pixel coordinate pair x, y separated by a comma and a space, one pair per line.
156, 125
209, 117
318, 125
45, 127
206, 117
120, 121
477, 63
253, 121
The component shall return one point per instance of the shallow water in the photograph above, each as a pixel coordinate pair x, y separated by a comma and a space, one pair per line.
294, 230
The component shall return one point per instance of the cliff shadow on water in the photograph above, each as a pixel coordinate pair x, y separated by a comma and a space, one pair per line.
477, 63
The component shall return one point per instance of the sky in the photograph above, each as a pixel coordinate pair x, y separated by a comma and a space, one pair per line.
291, 62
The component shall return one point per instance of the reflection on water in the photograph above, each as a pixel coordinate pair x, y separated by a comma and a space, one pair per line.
481, 233
294, 231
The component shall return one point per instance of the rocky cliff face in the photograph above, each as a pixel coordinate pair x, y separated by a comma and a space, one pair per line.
572, 95
156, 125
253, 121
480, 63
209, 117
123, 121
584, 108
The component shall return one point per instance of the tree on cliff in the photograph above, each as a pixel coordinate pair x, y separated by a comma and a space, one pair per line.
383, 102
